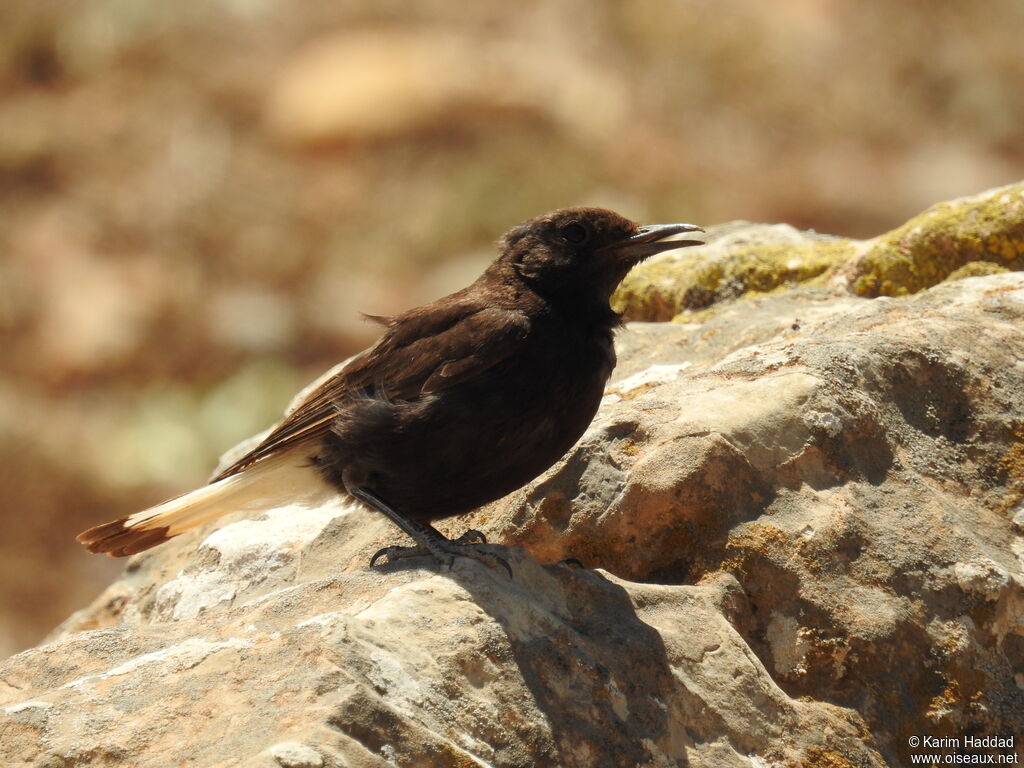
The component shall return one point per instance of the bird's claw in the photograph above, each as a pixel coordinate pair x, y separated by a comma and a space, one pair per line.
395, 553
472, 536
444, 552
501, 560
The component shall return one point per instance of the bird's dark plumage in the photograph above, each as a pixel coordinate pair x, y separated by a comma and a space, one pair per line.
461, 401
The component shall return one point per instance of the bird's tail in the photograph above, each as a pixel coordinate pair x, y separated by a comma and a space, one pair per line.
268, 483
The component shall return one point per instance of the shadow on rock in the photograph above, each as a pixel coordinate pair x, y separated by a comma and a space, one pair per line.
597, 672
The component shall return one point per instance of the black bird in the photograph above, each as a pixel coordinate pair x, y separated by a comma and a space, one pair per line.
460, 402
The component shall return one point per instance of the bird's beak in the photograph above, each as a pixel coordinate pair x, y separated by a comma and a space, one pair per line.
651, 239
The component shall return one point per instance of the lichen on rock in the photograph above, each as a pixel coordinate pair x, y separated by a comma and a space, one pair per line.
933, 246
968, 237
739, 259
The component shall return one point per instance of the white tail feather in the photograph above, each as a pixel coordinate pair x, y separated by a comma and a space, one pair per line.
289, 478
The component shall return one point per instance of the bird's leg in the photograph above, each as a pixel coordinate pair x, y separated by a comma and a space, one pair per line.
429, 540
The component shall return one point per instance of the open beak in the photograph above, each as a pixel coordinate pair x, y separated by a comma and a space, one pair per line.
650, 239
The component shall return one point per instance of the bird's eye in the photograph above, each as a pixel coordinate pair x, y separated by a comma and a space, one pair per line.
576, 234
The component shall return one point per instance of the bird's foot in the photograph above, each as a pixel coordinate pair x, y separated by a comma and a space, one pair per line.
444, 551
429, 540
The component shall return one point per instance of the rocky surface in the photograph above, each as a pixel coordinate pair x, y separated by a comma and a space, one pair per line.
801, 516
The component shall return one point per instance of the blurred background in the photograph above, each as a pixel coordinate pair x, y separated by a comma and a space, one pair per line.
197, 198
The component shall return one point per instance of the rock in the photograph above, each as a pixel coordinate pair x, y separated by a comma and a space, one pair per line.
972, 235
977, 235
290, 754
800, 514
739, 258
555, 667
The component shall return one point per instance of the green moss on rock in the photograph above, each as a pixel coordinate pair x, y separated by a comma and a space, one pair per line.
946, 238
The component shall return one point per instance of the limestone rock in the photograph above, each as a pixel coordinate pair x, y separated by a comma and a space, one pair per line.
859, 474
801, 516
557, 667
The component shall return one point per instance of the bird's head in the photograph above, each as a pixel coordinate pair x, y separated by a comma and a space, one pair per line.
583, 253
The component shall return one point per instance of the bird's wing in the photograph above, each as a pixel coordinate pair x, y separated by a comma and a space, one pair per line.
424, 351
415, 365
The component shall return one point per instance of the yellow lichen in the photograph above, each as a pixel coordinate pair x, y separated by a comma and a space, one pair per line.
750, 540
697, 316
936, 244
628, 447
962, 238
976, 269
816, 757
946, 701
1012, 463
662, 289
